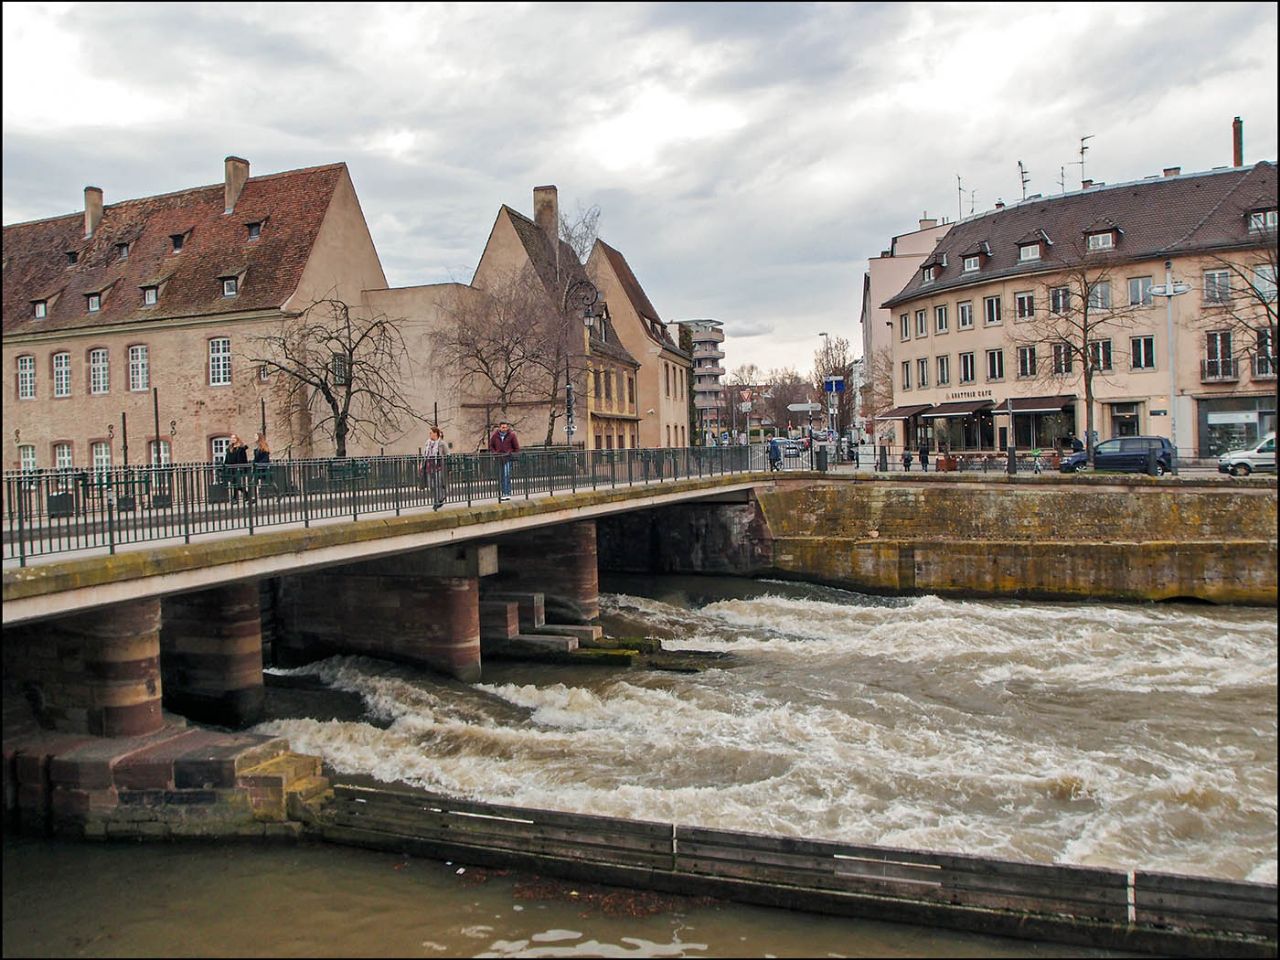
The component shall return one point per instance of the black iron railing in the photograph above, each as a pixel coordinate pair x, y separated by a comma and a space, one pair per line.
57, 511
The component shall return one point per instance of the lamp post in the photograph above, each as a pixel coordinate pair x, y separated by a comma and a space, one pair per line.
582, 294
1170, 289
832, 425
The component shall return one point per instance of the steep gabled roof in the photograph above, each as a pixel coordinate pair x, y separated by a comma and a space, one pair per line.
290, 206
1159, 217
541, 254
654, 327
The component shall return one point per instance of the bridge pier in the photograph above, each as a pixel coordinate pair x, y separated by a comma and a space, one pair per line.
559, 562
421, 608
211, 642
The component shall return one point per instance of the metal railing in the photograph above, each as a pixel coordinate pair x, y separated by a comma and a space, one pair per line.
1219, 369
58, 511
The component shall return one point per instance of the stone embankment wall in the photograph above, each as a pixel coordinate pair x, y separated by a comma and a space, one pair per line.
1049, 537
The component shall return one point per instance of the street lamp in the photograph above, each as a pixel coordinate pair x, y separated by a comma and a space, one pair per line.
1170, 289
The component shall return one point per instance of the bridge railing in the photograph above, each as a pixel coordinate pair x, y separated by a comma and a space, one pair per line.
63, 510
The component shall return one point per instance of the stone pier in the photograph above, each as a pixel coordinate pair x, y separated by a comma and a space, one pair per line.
212, 655
559, 562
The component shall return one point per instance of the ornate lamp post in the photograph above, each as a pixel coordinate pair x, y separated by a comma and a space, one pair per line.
581, 295
1169, 289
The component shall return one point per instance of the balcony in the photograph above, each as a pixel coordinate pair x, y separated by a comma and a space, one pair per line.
707, 353
1221, 370
716, 371
1264, 367
711, 335
706, 403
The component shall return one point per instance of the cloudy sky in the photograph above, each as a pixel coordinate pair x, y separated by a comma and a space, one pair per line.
747, 158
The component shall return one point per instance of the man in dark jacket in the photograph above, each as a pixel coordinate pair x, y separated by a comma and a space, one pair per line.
236, 466
504, 444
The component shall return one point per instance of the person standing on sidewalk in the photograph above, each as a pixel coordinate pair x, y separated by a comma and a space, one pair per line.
504, 444
924, 457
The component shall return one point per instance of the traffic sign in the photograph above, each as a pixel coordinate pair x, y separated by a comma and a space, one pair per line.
804, 407
833, 384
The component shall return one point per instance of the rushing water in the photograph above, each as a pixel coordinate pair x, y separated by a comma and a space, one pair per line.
1128, 736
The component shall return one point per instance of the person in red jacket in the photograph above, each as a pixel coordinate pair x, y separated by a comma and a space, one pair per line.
504, 444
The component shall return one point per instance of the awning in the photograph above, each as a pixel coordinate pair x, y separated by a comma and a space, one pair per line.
904, 413
963, 408
1035, 404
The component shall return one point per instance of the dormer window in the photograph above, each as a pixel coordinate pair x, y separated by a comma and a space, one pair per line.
230, 286
255, 230
122, 251
1029, 251
1262, 220
971, 264
150, 296
177, 239
94, 301
72, 257
42, 309
1102, 241
929, 274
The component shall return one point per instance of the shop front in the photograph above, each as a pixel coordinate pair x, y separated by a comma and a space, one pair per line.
1231, 423
908, 419
961, 427
1038, 422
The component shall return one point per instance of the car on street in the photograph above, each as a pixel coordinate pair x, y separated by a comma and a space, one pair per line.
1123, 455
1258, 458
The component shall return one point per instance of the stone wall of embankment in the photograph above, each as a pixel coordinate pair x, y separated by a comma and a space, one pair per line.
1050, 537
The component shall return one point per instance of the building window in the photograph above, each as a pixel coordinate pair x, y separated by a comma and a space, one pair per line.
631, 391
1139, 291
906, 374
177, 239
62, 456
940, 319
944, 371
995, 364
219, 361
599, 386
1100, 354
1060, 300
1101, 241
150, 296
1061, 358
1264, 358
99, 371
1100, 295
991, 310
666, 371
928, 274
1029, 251
94, 301
101, 453
255, 230
1024, 305
230, 286
218, 448
1218, 353
1217, 286
968, 369
72, 257
160, 454
922, 323
608, 385
122, 251
904, 327
264, 373
970, 264
42, 309
139, 369
1264, 282
1262, 220
27, 378
62, 374
27, 457
922, 372
1026, 362
340, 367
964, 312
1142, 353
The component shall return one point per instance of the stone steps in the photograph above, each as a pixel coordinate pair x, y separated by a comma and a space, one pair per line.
588, 635
271, 782
527, 643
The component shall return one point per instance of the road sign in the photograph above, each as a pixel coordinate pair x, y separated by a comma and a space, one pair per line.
745, 407
804, 407
833, 384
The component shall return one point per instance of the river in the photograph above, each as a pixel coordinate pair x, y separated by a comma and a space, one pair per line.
1126, 736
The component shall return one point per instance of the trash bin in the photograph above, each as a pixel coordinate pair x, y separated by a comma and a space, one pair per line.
821, 452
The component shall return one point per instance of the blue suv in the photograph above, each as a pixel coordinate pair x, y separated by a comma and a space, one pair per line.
1125, 455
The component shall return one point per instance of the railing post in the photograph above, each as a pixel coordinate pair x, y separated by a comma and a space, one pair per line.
351, 478
306, 495
186, 506
22, 533
111, 525
395, 483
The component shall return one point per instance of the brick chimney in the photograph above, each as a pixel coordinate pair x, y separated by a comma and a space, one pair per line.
237, 173
999, 204
1172, 171
926, 223
92, 210
546, 214
1237, 143
1086, 184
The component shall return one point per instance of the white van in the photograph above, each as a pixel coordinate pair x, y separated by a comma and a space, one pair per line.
1259, 458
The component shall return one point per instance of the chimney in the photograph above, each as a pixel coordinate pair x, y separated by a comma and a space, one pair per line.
1173, 171
999, 204
237, 173
546, 214
92, 210
926, 223
1086, 184
1237, 143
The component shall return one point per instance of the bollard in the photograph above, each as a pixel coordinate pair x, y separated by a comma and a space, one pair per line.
883, 465
1013, 460
1151, 461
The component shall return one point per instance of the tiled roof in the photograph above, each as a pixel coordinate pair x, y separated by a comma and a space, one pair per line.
290, 206
1157, 218
654, 327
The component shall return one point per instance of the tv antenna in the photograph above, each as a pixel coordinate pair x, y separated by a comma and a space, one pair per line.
959, 199
1022, 172
1083, 150
972, 194
1062, 179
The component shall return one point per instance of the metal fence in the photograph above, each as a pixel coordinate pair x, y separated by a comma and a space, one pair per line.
56, 511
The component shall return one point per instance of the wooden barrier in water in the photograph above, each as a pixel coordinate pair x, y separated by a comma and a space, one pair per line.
1140, 911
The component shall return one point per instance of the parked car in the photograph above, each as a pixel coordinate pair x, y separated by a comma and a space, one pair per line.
1123, 454
1259, 458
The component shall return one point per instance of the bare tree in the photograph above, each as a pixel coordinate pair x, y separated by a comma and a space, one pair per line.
786, 387
581, 231
877, 388
1239, 295
1067, 322
351, 365
833, 359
